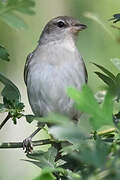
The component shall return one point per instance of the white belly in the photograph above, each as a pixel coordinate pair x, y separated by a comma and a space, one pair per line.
47, 89
47, 83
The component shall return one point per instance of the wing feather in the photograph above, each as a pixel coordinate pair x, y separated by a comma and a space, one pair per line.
26, 68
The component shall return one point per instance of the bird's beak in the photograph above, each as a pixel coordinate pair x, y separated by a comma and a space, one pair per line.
78, 27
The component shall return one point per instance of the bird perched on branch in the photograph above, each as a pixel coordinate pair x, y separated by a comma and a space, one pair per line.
52, 67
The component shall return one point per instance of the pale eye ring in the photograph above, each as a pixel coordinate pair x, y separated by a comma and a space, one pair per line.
61, 24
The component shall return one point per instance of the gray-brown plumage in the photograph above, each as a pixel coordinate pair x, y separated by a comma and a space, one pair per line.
53, 66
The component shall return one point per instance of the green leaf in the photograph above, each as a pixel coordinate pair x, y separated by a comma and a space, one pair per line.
69, 132
72, 176
13, 20
84, 99
8, 12
86, 102
95, 155
44, 159
54, 118
45, 176
106, 79
10, 91
111, 75
29, 118
112, 81
3, 54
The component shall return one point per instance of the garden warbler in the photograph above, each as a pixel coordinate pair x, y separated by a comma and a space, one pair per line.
52, 67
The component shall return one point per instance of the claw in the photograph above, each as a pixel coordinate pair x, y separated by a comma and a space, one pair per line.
27, 145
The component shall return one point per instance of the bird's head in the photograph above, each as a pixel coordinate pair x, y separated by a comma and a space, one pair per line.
60, 28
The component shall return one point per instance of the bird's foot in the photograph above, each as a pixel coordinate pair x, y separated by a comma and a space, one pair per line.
27, 145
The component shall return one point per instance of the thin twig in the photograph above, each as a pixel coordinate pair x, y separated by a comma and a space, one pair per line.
5, 120
20, 144
103, 132
108, 131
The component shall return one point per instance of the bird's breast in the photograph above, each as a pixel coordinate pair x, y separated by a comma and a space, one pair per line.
49, 76
69, 45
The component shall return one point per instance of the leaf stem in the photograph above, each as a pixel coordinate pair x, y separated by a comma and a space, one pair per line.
5, 120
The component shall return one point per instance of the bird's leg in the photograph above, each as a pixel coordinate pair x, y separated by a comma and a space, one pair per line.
27, 143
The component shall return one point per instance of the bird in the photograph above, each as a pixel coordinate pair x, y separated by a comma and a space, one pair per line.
52, 67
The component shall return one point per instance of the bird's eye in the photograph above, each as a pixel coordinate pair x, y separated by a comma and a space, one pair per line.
60, 24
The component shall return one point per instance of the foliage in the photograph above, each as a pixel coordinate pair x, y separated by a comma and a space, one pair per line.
85, 151
11, 99
10, 8
10, 93
99, 115
9, 14
83, 154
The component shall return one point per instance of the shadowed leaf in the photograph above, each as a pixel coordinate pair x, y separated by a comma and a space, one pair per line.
44, 159
111, 75
29, 118
10, 91
106, 79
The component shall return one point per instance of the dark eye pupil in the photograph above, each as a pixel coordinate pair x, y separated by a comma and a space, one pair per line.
61, 24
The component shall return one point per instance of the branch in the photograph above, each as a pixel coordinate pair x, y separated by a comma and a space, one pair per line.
20, 144
5, 120
8, 145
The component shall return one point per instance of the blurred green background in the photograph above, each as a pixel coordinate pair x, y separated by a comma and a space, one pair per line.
98, 43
